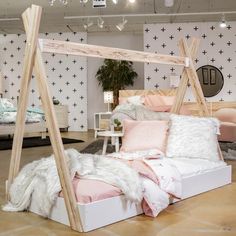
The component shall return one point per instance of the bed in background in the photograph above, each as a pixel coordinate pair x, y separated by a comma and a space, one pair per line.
192, 106
34, 121
8, 128
225, 111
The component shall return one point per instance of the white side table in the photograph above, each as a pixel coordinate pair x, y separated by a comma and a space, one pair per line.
107, 135
101, 122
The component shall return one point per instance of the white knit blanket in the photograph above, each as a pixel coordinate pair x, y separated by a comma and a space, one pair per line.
41, 178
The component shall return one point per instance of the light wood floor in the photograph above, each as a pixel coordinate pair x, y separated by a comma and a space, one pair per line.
211, 213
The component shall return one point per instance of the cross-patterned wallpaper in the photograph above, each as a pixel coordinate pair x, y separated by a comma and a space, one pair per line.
67, 75
217, 48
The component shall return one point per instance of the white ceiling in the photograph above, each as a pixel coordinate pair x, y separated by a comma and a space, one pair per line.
53, 16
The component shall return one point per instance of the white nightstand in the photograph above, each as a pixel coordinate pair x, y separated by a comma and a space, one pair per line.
61, 116
107, 135
101, 122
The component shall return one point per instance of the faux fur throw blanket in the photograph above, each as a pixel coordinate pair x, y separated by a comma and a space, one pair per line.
41, 179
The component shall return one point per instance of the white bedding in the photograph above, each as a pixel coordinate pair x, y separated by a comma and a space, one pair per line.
186, 166
189, 167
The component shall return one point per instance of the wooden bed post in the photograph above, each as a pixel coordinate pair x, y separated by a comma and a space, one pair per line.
184, 78
189, 74
29, 57
29, 20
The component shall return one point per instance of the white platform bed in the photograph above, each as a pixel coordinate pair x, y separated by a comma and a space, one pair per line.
9, 129
98, 214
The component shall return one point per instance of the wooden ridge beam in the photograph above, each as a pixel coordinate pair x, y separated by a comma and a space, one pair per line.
61, 47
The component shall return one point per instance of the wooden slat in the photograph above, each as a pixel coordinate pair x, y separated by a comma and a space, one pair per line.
162, 92
194, 81
55, 137
61, 47
184, 78
31, 43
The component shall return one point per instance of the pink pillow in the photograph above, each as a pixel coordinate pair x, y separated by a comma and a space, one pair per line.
163, 108
144, 135
226, 115
158, 100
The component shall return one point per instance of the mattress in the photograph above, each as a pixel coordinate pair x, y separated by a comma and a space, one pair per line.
189, 167
87, 190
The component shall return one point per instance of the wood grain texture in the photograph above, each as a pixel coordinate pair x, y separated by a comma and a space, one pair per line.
55, 137
61, 47
31, 42
194, 81
162, 92
181, 91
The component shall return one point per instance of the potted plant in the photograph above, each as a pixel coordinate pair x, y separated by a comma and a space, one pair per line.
115, 75
117, 125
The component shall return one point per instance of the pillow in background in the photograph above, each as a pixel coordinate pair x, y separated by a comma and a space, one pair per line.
135, 100
158, 100
159, 103
226, 115
143, 113
144, 135
193, 137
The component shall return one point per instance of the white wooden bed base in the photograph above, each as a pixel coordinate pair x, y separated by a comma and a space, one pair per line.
9, 129
33, 60
98, 214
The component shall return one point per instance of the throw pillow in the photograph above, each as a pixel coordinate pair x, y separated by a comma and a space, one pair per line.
144, 135
193, 137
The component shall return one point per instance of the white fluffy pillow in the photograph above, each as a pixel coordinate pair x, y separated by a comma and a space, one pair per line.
193, 137
136, 100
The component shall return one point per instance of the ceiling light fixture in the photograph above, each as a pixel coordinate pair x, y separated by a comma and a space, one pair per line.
169, 3
100, 22
131, 1
223, 23
64, 2
88, 24
115, 1
121, 25
10, 19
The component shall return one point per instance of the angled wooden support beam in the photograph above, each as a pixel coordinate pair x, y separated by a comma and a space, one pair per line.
31, 43
55, 136
61, 47
193, 79
181, 91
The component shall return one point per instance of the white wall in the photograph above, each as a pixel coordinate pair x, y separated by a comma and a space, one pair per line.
217, 48
119, 40
67, 75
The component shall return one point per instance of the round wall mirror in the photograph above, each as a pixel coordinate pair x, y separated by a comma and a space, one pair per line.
211, 80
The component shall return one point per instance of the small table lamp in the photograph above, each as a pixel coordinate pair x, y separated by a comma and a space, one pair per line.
108, 98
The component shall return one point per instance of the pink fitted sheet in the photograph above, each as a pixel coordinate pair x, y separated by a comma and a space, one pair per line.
88, 190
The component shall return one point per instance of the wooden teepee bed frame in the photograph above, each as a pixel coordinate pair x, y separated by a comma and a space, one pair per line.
33, 59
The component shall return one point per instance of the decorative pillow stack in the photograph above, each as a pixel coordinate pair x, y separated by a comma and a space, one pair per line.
193, 137
144, 135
